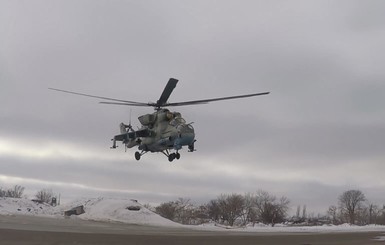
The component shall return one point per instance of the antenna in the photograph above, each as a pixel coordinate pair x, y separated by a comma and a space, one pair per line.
129, 122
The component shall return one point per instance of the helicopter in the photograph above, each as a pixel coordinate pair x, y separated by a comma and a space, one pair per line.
161, 131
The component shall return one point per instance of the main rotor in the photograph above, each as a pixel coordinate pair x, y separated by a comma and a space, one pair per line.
162, 102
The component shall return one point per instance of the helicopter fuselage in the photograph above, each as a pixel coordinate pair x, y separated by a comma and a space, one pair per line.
162, 131
167, 131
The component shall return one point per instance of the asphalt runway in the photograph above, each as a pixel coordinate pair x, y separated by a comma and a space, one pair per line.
37, 230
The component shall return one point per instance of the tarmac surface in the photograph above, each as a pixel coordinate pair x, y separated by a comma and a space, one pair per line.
39, 230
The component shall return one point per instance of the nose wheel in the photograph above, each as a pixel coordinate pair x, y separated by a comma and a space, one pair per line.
171, 156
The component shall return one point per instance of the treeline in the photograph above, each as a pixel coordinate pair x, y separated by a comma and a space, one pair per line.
229, 209
14, 192
262, 207
17, 191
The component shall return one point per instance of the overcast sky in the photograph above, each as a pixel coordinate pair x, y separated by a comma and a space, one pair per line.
320, 132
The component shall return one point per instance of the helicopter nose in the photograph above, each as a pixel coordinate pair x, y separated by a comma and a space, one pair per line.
186, 136
186, 139
186, 129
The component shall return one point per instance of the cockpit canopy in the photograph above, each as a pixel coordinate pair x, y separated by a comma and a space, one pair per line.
174, 118
177, 121
147, 119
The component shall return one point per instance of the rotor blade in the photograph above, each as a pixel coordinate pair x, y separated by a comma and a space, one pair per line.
185, 103
197, 102
95, 96
127, 103
167, 92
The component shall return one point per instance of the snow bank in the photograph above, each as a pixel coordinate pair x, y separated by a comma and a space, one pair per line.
110, 209
98, 209
280, 228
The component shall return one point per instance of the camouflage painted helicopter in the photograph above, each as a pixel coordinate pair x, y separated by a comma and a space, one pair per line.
162, 131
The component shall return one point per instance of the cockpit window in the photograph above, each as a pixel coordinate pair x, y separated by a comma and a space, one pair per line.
177, 121
169, 115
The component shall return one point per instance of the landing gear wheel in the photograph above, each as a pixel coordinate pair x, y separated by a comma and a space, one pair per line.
171, 157
137, 155
177, 156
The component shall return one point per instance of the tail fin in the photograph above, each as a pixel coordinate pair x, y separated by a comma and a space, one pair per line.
123, 127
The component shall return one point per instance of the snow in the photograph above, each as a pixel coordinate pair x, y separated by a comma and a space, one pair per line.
115, 210
96, 209
296, 229
110, 209
12, 206
280, 228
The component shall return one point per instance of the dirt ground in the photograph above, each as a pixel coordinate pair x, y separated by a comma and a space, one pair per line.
36, 230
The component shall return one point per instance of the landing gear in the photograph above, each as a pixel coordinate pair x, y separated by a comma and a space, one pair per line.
139, 154
171, 156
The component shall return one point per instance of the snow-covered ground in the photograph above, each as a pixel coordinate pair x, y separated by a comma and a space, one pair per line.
116, 210
96, 209
21, 206
297, 229
110, 209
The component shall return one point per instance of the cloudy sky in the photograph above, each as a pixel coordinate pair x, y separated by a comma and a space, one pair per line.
320, 132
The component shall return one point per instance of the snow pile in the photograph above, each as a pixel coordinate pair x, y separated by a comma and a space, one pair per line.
98, 209
12, 206
117, 210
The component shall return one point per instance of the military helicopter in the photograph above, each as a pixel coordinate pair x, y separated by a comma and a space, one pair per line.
162, 131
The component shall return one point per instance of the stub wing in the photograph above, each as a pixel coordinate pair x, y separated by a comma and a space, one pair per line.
142, 133
131, 139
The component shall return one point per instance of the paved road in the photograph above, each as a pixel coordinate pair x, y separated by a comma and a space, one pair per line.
36, 230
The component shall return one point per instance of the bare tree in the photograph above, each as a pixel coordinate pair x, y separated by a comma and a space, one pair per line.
213, 210
14, 192
149, 207
249, 212
231, 207
44, 195
184, 211
381, 216
18, 191
373, 209
333, 215
167, 210
181, 211
269, 209
350, 202
298, 211
304, 212
373, 214
201, 215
